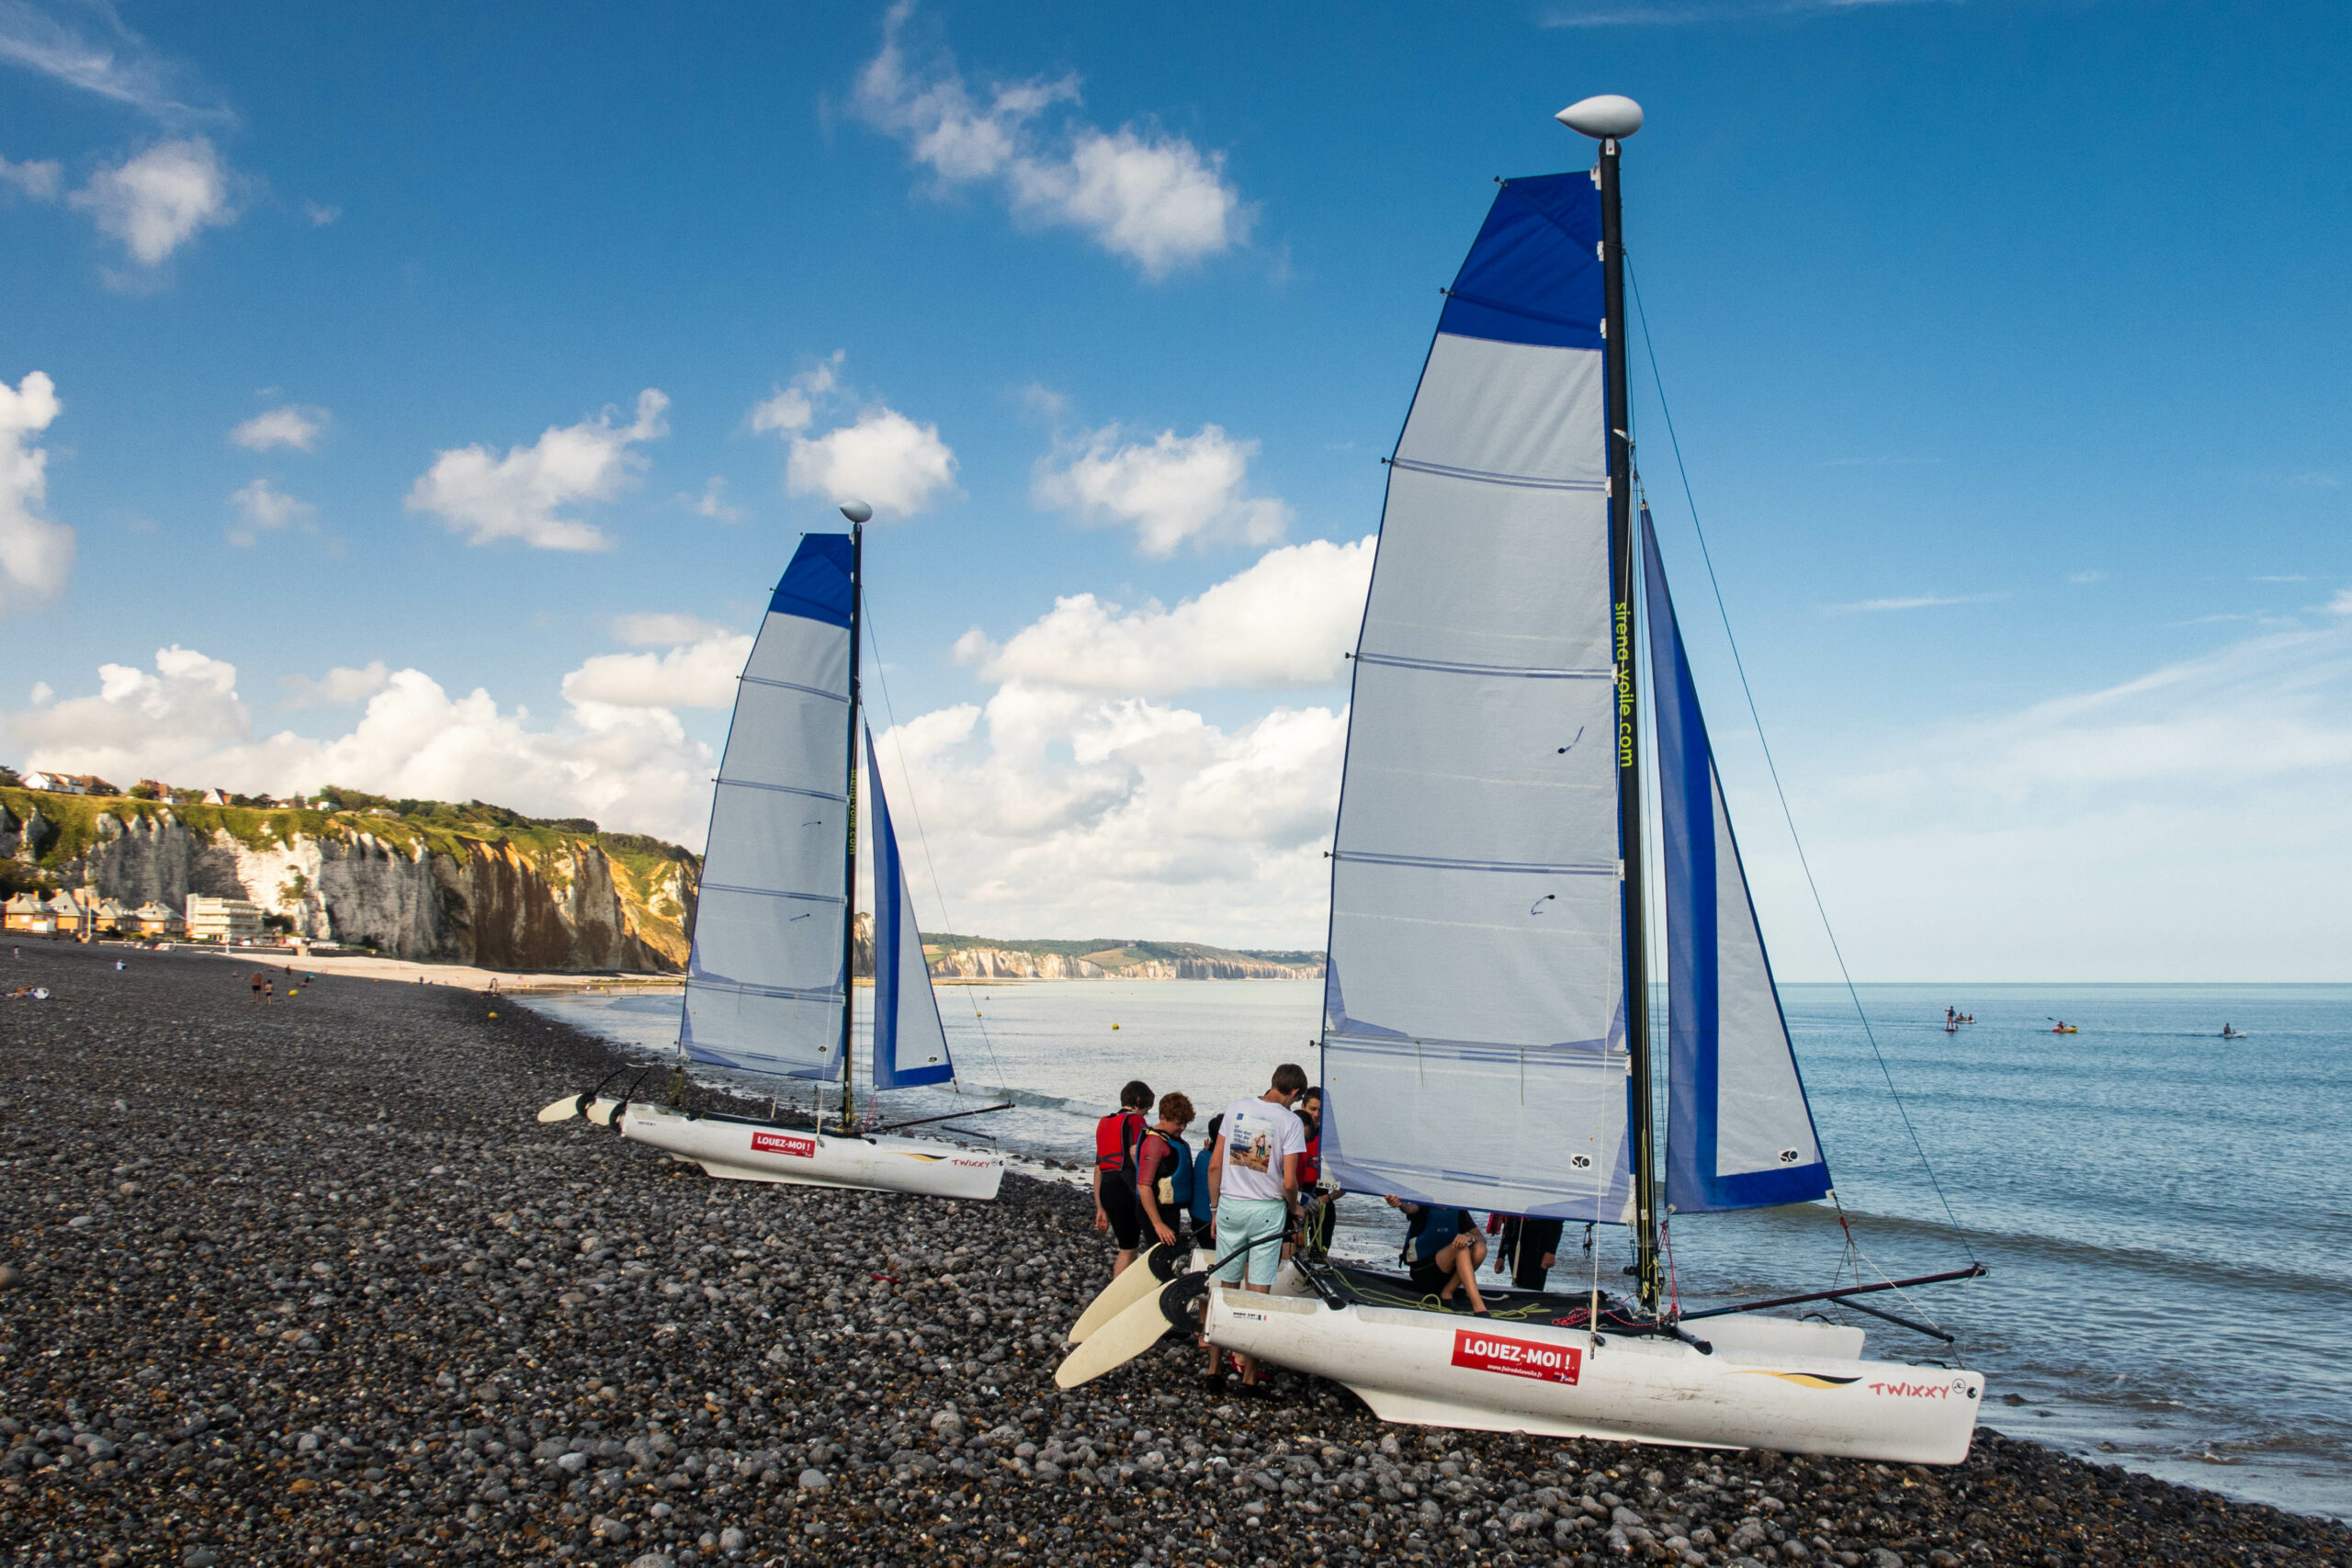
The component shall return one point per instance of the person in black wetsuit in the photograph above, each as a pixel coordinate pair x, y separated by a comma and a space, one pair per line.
1530, 1246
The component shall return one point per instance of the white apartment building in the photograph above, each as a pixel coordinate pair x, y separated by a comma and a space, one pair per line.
221, 920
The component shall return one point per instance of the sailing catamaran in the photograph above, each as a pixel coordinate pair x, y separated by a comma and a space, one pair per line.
775, 932
1486, 1038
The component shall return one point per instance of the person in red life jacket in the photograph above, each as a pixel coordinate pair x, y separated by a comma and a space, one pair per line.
1319, 1219
1116, 1140
1165, 1174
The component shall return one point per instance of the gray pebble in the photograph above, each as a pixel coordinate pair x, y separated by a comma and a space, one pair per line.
813, 1480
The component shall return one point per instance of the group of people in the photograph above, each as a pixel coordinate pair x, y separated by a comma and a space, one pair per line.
1252, 1195
1250, 1192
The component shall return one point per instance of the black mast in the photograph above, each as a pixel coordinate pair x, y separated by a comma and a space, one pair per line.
848, 851
1629, 749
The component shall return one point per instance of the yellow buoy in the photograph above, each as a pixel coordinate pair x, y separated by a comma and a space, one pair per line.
1114, 1026
493, 1015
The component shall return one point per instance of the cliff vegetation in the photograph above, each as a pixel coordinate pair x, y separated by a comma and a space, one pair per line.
422, 879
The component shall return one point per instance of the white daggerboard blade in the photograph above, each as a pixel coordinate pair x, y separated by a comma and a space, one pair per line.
1117, 1296
1116, 1343
602, 1111
562, 1110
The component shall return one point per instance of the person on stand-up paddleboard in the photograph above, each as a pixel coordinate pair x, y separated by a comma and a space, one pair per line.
1116, 1140
1253, 1182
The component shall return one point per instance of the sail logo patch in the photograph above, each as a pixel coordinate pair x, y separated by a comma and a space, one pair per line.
1515, 1358
783, 1144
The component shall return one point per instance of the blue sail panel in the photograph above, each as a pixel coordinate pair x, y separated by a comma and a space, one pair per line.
1739, 1131
909, 1045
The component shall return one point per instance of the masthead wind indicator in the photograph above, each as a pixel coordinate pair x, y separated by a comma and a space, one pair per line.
1608, 116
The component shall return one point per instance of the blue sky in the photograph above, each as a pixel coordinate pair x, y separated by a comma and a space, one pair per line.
2007, 343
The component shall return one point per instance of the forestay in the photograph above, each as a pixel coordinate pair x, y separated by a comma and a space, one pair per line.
1474, 1049
765, 981
1739, 1132
910, 1047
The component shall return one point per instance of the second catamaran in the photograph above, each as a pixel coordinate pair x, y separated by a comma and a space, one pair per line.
768, 978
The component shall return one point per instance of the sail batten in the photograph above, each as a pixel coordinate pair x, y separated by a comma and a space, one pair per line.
1739, 1131
1474, 1049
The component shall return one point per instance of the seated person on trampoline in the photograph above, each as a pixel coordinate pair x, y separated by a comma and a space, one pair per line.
1443, 1250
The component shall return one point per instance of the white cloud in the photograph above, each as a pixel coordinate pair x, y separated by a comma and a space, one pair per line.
1287, 621
1915, 602
696, 675
156, 202
632, 769
1173, 489
41, 693
36, 554
294, 425
320, 214
1142, 194
38, 178
339, 685
884, 459
2185, 825
794, 405
520, 496
2342, 603
262, 508
662, 629
115, 64
713, 503
1058, 811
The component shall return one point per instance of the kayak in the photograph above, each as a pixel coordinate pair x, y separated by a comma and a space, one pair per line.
2065, 1029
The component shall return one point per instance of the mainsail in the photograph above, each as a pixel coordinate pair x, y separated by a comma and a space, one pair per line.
1739, 1132
766, 980
910, 1047
1475, 1050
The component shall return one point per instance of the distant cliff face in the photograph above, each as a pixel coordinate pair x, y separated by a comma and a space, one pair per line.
1017, 963
535, 901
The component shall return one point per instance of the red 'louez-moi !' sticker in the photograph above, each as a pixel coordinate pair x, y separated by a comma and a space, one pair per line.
783, 1144
1515, 1358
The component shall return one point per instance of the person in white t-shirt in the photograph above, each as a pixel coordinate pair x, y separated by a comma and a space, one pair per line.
1254, 1183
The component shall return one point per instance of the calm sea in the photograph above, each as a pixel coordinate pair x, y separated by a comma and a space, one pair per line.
2167, 1214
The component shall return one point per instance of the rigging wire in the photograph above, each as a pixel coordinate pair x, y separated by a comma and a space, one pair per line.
914, 810
1821, 908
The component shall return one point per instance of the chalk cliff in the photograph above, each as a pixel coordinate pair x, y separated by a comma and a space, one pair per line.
444, 888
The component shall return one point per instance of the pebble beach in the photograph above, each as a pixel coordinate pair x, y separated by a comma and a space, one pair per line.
306, 1282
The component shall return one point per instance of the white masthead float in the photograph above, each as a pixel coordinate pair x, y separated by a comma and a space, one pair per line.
1486, 1040
768, 974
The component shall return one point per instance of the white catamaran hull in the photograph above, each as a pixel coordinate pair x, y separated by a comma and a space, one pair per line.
1759, 1389
751, 1151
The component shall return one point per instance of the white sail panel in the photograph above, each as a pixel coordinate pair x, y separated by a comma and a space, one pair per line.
1739, 1132
909, 1045
1474, 1049
764, 982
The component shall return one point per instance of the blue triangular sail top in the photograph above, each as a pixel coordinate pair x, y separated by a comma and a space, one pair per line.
909, 1045
1739, 1132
